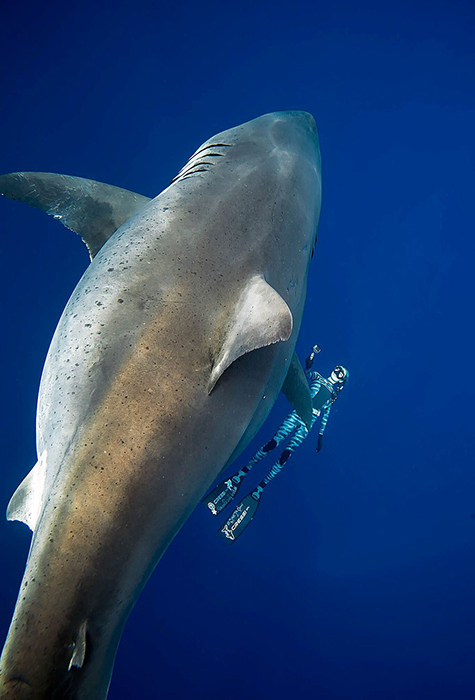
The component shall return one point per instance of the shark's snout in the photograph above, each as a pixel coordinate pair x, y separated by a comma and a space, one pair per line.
292, 131
304, 119
296, 121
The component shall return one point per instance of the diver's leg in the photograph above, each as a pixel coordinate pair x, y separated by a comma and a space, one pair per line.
287, 427
246, 509
295, 442
222, 494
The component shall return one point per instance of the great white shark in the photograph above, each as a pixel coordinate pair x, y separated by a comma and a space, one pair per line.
166, 361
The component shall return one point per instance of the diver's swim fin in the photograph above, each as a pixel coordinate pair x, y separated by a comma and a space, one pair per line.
241, 517
222, 494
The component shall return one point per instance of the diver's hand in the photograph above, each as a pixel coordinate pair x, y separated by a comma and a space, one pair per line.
309, 361
320, 443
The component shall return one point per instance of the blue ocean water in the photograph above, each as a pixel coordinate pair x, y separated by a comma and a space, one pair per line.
356, 579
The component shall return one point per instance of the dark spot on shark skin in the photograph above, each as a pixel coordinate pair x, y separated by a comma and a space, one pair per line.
121, 301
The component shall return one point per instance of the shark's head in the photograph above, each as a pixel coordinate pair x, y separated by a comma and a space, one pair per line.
286, 145
265, 176
282, 150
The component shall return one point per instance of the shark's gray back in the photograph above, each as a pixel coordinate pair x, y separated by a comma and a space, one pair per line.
196, 243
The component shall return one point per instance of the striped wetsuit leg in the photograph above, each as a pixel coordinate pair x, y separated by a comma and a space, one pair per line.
287, 427
326, 413
295, 442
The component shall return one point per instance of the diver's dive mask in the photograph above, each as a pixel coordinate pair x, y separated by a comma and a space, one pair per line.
339, 377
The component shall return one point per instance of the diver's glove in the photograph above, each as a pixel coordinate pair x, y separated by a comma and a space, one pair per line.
320, 442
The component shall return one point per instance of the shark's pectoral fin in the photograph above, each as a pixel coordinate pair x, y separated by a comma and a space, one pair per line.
25, 504
92, 209
261, 317
297, 392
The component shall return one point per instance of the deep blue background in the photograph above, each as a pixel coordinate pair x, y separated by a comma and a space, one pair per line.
356, 580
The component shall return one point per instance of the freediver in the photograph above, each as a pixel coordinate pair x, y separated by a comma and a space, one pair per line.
324, 392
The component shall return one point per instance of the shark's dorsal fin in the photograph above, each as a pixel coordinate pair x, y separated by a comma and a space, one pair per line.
297, 392
261, 317
92, 209
25, 504
79, 648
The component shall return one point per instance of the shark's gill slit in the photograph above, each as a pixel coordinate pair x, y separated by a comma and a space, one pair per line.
195, 161
190, 172
213, 145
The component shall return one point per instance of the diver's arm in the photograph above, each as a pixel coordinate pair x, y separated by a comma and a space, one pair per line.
310, 359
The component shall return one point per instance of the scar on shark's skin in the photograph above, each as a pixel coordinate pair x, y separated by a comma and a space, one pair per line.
165, 363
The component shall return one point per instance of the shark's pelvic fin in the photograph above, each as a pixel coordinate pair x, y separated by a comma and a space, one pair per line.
25, 504
79, 649
261, 317
297, 391
92, 209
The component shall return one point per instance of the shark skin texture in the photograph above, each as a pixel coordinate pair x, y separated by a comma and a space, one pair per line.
166, 361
